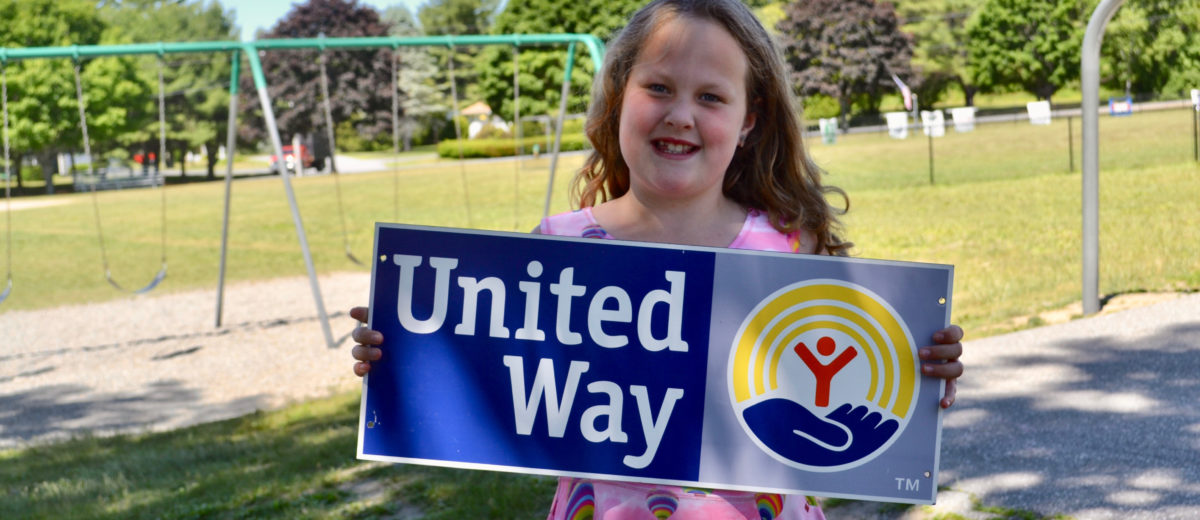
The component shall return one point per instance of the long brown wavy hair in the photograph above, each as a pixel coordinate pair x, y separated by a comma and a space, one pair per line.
772, 172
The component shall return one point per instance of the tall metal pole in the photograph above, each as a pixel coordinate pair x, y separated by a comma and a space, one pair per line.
1090, 82
260, 84
230, 143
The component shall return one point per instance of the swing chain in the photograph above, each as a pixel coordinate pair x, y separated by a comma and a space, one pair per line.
161, 182
87, 150
462, 167
395, 134
329, 133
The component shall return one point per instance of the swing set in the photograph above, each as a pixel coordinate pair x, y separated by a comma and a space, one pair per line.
251, 50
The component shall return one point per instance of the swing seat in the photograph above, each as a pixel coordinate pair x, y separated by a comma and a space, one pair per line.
352, 258
158, 278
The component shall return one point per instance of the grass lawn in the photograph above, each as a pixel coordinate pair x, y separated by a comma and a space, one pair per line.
294, 463
56, 252
1004, 210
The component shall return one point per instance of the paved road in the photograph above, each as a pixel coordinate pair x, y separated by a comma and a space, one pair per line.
1097, 418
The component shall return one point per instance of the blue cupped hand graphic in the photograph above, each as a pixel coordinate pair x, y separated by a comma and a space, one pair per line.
844, 435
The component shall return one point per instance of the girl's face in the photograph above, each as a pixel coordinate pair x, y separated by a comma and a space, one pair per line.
684, 111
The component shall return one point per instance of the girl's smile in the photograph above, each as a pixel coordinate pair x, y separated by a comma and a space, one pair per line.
674, 148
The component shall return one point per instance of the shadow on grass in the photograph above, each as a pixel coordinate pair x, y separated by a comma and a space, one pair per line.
297, 462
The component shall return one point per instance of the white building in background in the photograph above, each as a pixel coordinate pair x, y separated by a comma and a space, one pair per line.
480, 115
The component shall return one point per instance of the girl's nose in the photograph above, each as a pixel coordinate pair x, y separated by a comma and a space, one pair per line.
679, 116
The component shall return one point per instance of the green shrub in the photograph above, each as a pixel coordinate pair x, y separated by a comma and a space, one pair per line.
30, 172
481, 148
574, 126
490, 131
820, 106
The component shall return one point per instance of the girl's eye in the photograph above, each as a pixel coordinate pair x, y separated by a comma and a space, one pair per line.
710, 98
657, 87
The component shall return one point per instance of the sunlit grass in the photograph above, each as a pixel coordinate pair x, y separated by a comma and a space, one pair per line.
57, 256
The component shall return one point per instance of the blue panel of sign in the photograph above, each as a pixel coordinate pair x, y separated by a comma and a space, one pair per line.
690, 366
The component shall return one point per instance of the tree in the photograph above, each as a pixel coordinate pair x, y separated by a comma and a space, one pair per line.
43, 114
939, 30
197, 86
1033, 45
541, 70
456, 17
422, 104
1152, 46
845, 49
359, 80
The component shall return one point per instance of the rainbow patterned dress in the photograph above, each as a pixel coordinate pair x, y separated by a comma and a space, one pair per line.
582, 499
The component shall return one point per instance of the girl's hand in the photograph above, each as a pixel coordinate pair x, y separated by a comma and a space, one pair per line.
941, 360
365, 351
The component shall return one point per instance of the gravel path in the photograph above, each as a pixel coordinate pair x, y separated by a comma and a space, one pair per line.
156, 362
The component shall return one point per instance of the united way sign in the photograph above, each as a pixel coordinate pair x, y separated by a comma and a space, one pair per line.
690, 366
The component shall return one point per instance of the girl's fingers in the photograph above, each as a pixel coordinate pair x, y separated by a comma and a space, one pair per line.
361, 369
941, 352
367, 336
947, 370
365, 353
951, 334
951, 391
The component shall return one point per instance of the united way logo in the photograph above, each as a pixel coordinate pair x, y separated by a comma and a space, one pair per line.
823, 375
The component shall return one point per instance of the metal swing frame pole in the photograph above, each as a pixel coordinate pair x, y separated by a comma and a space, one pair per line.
260, 84
230, 144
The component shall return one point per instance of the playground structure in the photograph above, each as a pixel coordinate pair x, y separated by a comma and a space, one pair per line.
1089, 82
251, 51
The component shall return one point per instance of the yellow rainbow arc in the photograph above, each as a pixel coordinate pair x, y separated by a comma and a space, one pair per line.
826, 304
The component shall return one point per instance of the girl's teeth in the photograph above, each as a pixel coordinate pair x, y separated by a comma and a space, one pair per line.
675, 148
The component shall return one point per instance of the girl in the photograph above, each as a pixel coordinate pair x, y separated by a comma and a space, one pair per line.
697, 142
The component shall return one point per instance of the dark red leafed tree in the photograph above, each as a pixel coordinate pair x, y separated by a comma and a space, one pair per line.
359, 79
845, 49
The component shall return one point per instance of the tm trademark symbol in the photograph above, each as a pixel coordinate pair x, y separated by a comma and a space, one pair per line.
908, 484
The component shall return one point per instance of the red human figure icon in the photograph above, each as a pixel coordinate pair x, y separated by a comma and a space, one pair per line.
824, 373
